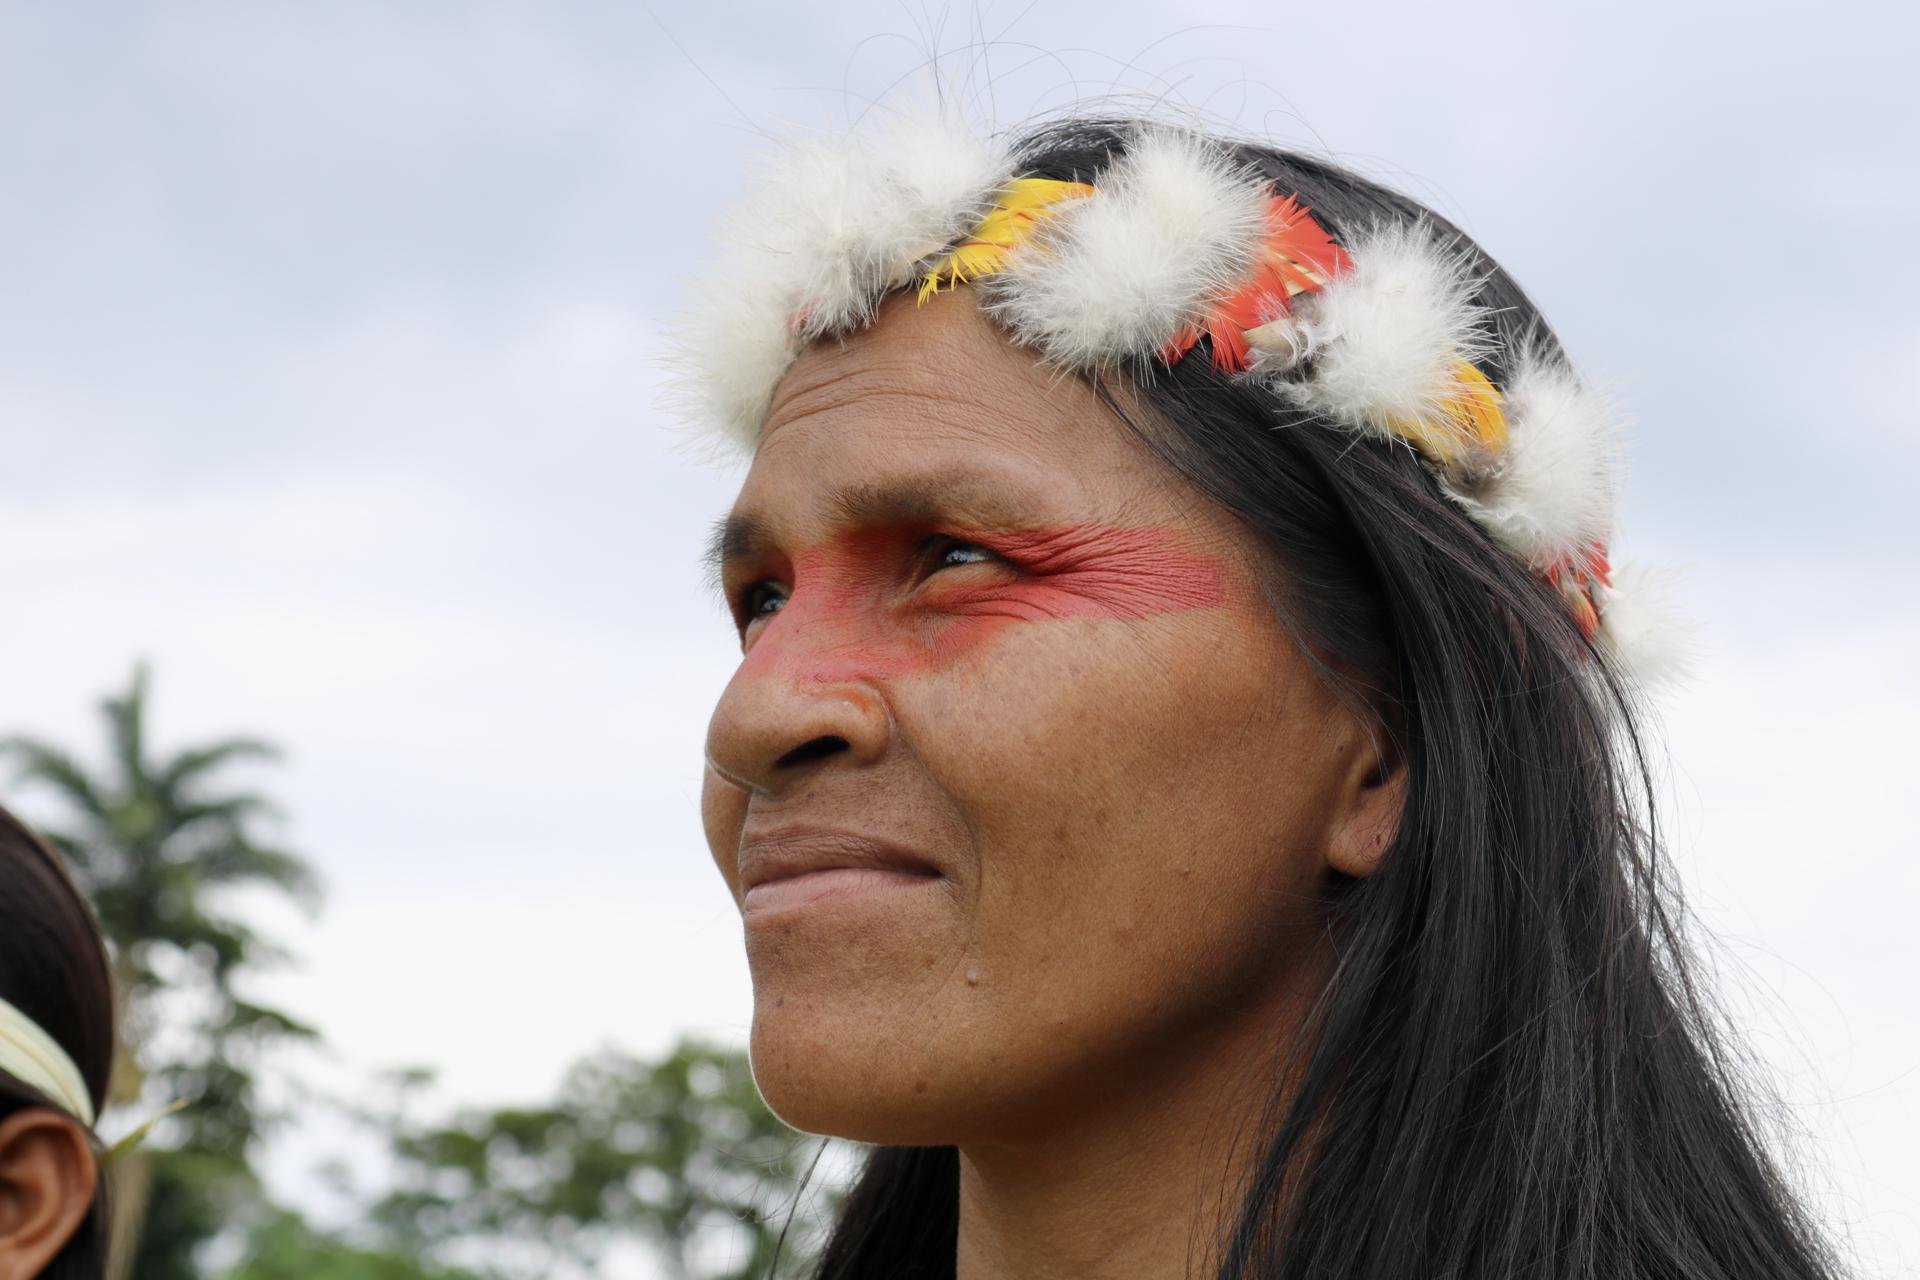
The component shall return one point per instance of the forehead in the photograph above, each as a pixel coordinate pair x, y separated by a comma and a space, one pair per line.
936, 395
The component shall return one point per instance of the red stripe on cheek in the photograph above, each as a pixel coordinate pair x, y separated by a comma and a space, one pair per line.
840, 626
831, 631
1090, 571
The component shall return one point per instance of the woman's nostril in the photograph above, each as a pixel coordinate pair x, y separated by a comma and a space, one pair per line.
819, 748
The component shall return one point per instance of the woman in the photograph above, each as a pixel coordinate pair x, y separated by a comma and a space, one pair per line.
56, 1052
1182, 785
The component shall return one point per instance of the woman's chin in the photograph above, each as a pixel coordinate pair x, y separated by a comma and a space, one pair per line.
848, 1082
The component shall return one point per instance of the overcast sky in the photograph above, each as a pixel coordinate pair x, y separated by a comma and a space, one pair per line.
324, 385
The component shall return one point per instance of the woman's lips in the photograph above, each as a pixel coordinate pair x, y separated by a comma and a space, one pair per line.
789, 868
827, 885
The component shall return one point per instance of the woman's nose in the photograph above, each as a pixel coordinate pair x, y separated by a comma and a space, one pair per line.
777, 723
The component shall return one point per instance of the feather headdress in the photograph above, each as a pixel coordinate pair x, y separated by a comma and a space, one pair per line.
1178, 245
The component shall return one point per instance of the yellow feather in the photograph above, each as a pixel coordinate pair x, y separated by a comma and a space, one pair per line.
1476, 409
1018, 210
1471, 418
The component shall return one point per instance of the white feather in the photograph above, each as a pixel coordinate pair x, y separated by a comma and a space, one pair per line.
1643, 634
1175, 224
1550, 496
857, 217
1389, 330
830, 228
1282, 345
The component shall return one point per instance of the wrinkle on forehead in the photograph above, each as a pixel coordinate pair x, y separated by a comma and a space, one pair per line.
945, 364
941, 387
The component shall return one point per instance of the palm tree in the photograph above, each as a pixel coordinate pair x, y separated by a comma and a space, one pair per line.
159, 847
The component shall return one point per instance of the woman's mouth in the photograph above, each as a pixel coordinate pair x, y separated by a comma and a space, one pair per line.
790, 868
825, 885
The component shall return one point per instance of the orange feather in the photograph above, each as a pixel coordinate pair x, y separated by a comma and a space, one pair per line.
1296, 256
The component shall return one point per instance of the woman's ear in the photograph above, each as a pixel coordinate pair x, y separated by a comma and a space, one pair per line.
1373, 797
46, 1186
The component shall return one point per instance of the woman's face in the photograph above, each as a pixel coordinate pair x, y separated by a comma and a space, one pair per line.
1025, 794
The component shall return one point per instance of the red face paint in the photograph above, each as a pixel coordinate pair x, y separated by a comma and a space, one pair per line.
866, 606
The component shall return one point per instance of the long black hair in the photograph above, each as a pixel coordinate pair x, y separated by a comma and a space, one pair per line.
1512, 1071
54, 969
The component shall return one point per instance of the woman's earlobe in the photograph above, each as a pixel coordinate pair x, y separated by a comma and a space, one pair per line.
1373, 798
47, 1177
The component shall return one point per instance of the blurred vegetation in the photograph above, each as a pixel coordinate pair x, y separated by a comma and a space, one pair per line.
159, 844
284, 1247
675, 1161
677, 1156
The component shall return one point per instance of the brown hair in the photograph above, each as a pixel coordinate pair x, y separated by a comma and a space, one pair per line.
54, 969
1514, 1069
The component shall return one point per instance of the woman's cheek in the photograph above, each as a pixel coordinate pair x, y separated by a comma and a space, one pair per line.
1026, 737
1055, 675
723, 813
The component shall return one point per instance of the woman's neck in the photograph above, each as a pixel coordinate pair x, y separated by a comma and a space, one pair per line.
1140, 1182
1127, 1207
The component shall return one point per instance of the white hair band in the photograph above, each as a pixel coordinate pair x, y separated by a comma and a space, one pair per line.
35, 1058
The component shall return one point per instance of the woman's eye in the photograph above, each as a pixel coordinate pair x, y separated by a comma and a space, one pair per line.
952, 551
761, 600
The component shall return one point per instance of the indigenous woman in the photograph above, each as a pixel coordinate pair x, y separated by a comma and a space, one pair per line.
1183, 785
56, 1052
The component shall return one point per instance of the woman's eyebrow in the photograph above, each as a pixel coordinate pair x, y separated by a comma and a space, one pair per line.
734, 537
962, 497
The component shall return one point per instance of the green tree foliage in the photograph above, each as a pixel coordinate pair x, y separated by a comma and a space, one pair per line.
192, 1198
677, 1156
676, 1161
284, 1247
160, 846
